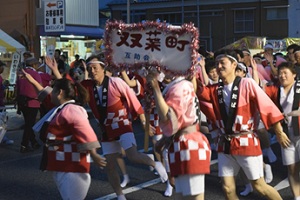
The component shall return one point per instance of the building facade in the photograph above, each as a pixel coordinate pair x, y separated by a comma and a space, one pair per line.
220, 22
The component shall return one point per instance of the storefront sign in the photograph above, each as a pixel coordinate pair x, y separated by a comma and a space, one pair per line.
14, 68
173, 48
54, 15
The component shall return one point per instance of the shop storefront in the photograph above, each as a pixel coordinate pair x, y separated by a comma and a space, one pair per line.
80, 40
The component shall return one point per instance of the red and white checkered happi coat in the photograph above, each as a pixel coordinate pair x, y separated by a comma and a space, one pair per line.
250, 100
121, 101
70, 128
189, 153
154, 121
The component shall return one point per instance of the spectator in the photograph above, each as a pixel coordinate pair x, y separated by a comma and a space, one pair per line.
28, 104
76, 62
5, 139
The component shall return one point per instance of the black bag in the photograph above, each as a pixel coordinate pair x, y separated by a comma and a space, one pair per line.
22, 100
43, 132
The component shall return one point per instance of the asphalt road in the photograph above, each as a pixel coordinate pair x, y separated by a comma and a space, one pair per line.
20, 177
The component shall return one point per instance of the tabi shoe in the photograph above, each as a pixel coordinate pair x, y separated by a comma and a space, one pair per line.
161, 171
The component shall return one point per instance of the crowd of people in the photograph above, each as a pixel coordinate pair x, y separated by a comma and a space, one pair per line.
239, 99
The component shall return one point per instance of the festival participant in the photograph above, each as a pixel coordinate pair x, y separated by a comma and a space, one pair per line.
297, 61
286, 97
67, 153
262, 74
290, 53
110, 99
155, 132
189, 151
271, 62
120, 159
263, 135
235, 103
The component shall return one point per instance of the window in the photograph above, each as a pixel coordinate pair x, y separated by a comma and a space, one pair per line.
276, 13
211, 13
244, 21
135, 16
172, 18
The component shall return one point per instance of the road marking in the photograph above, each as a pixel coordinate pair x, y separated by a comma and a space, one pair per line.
140, 186
132, 189
282, 184
212, 162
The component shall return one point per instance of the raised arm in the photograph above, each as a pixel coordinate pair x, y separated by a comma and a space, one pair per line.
35, 83
86, 73
254, 70
203, 71
132, 83
270, 60
52, 64
161, 105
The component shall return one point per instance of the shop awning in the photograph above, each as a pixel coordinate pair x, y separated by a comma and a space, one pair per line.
94, 32
9, 44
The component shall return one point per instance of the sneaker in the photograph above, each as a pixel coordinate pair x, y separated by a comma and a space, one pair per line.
25, 149
7, 141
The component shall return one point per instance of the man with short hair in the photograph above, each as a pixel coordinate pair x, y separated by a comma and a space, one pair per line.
290, 52
235, 103
112, 101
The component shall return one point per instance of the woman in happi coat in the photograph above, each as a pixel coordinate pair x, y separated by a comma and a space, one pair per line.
70, 141
286, 97
189, 151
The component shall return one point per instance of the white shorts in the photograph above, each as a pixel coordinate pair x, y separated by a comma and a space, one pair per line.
291, 154
189, 185
126, 141
229, 165
72, 185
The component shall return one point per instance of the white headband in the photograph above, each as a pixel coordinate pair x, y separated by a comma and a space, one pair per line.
242, 67
96, 62
225, 55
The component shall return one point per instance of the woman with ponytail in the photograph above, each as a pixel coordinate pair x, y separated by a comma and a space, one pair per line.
69, 139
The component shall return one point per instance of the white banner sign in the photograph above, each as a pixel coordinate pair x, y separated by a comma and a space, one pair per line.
14, 68
169, 47
54, 15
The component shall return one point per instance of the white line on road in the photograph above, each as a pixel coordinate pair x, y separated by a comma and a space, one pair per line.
132, 189
282, 184
140, 186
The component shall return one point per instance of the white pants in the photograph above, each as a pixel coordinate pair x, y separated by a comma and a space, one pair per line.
190, 184
71, 185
